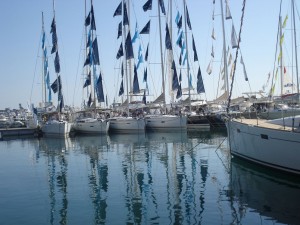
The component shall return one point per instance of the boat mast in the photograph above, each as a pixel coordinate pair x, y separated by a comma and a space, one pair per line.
125, 61
59, 114
161, 60
187, 55
86, 51
170, 55
280, 46
295, 41
224, 52
44, 98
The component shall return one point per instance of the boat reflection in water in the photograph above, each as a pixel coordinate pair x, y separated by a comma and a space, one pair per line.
274, 195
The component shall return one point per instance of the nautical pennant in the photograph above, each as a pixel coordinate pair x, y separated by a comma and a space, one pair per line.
147, 5
136, 87
188, 21
125, 16
200, 86
99, 89
168, 39
120, 51
119, 30
128, 47
146, 29
162, 6
118, 10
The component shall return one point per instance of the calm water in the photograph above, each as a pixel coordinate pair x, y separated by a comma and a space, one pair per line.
156, 178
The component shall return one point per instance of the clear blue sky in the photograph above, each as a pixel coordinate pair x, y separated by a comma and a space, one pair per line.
20, 58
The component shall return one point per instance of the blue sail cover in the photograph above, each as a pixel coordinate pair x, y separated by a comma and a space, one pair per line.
118, 11
146, 29
168, 39
99, 89
200, 86
136, 87
128, 47
147, 6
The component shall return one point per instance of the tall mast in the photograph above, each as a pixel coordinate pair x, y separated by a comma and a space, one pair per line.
280, 46
187, 55
224, 52
170, 54
295, 41
44, 98
125, 61
130, 61
161, 59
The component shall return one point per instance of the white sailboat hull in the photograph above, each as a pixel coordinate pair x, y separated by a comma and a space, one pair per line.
126, 124
166, 122
269, 146
59, 128
90, 126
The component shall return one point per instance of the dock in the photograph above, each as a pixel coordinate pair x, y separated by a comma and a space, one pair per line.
18, 132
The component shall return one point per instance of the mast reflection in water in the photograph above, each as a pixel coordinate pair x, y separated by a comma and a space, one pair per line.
147, 178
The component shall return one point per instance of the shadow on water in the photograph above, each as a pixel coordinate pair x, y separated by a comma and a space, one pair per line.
272, 194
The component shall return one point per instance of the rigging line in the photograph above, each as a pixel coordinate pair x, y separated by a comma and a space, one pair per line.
275, 58
75, 89
227, 169
236, 56
36, 61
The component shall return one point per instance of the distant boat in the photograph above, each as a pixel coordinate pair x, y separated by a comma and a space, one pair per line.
89, 120
164, 120
56, 123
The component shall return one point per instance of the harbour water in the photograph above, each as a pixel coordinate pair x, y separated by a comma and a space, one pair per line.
152, 178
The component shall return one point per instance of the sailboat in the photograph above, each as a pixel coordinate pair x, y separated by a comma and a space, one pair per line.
33, 117
164, 120
56, 123
89, 120
269, 143
194, 108
126, 122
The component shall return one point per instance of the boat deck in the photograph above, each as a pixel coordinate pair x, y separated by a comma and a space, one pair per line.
265, 124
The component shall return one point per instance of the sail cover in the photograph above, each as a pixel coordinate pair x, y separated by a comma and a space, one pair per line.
200, 86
